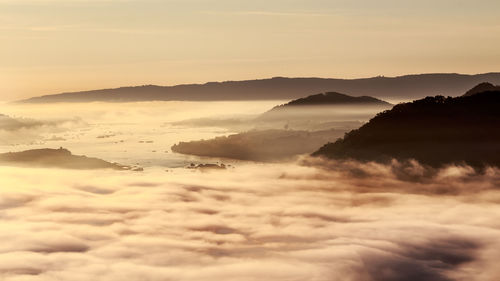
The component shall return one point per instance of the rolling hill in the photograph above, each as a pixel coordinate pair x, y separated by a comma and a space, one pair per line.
330, 106
435, 131
56, 158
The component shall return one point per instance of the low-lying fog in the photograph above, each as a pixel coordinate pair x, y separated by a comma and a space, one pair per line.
127, 133
253, 222
142, 133
306, 219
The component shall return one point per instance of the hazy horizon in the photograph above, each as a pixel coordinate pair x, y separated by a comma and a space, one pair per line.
52, 46
386, 91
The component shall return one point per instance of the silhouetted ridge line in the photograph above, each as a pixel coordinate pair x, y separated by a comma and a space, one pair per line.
332, 98
483, 87
259, 145
280, 88
320, 106
434, 130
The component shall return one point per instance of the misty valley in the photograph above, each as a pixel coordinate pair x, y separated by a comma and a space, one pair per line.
326, 186
263, 140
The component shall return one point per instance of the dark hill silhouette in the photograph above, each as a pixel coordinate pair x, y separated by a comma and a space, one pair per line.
334, 98
483, 87
56, 158
434, 130
280, 88
259, 145
322, 107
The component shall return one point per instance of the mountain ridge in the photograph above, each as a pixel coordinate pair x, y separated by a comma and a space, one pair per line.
482, 87
434, 131
333, 98
276, 88
321, 106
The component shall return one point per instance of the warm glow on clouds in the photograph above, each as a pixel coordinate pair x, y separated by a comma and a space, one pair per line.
49, 46
354, 222
304, 218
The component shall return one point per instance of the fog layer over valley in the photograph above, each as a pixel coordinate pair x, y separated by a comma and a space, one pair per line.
302, 219
339, 221
15, 130
300, 126
126, 133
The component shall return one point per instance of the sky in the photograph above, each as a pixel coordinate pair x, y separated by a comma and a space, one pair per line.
52, 46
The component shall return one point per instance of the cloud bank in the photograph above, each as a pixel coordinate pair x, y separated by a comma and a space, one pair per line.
330, 221
15, 130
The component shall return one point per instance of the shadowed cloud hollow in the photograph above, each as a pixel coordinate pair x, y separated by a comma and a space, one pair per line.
329, 221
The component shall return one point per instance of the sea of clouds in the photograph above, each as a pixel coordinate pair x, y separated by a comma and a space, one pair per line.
313, 220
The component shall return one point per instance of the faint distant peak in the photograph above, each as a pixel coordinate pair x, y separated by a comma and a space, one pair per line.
482, 87
335, 98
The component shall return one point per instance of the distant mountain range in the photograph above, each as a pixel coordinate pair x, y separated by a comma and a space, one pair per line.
280, 88
434, 130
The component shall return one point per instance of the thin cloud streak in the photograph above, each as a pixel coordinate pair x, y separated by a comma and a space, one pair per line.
268, 13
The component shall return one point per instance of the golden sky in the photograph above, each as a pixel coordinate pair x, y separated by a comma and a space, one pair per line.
51, 46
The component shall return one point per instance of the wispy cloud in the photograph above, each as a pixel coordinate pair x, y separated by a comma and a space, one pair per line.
85, 28
28, 2
269, 13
